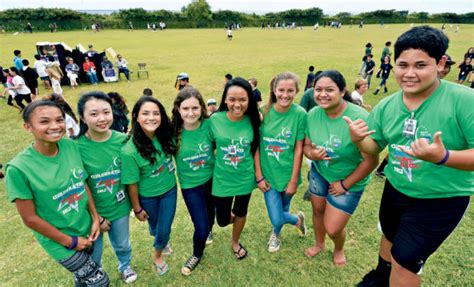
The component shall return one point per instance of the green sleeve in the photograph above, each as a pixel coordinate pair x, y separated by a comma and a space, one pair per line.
301, 127
305, 101
17, 184
465, 118
130, 171
374, 123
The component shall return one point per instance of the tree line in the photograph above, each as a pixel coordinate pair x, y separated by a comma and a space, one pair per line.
198, 14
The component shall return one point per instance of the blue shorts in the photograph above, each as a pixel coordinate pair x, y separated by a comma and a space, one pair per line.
346, 202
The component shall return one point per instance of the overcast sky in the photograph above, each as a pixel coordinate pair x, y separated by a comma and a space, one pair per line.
257, 6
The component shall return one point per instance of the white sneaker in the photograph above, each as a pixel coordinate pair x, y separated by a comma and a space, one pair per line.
274, 243
129, 276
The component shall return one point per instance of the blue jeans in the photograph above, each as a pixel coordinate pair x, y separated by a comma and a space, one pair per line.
161, 210
200, 211
119, 236
278, 206
125, 71
318, 186
92, 77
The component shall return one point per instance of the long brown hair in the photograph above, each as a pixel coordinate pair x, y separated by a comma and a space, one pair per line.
274, 83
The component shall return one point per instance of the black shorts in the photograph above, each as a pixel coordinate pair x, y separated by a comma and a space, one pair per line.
224, 207
417, 227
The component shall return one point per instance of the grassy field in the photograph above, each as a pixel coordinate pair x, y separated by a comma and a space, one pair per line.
207, 56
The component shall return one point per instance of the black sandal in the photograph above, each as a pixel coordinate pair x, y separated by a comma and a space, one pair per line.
237, 253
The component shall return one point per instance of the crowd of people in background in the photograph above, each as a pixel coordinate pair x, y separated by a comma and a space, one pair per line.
122, 161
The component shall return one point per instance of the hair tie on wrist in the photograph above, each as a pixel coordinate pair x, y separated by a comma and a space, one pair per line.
445, 158
138, 212
73, 243
102, 221
260, 180
342, 184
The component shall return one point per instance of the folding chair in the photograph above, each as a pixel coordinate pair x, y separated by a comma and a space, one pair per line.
142, 69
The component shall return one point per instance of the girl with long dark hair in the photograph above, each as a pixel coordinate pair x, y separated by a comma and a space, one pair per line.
235, 131
149, 173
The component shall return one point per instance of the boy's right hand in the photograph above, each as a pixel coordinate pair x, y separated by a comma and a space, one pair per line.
358, 129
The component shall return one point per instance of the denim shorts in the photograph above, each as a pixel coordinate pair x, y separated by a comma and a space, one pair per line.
346, 202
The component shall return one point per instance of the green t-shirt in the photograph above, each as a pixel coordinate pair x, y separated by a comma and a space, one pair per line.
152, 180
449, 110
195, 157
279, 133
234, 172
307, 101
333, 135
102, 162
56, 186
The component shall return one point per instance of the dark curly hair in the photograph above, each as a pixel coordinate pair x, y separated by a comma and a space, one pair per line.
163, 132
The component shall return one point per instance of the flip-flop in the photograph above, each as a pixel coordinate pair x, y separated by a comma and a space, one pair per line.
237, 253
162, 268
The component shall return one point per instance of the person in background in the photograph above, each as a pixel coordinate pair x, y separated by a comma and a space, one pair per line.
21, 89
40, 67
89, 67
309, 78
182, 80
122, 66
18, 61
72, 72
31, 78
384, 73
148, 92
211, 106
55, 74
360, 87
257, 95
369, 69
464, 69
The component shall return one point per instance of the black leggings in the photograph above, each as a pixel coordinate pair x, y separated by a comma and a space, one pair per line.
224, 208
19, 99
86, 271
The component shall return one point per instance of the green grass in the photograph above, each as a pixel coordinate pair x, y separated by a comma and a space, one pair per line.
207, 56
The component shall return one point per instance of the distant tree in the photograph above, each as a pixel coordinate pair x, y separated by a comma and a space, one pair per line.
198, 10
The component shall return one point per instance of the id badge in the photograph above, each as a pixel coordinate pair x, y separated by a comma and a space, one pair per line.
120, 196
409, 128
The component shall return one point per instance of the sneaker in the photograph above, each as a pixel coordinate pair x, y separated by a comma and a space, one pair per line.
274, 243
380, 174
302, 226
190, 265
375, 279
129, 276
210, 238
167, 251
